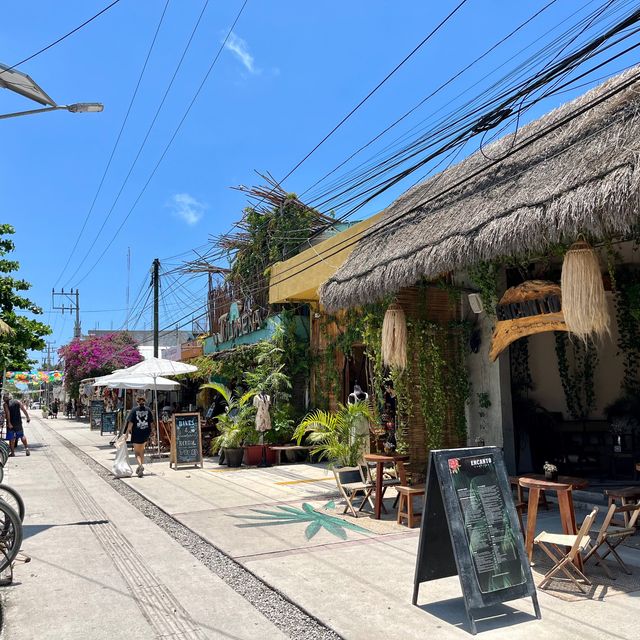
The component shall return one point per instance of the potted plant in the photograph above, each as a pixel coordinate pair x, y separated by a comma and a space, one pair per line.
235, 424
334, 438
550, 471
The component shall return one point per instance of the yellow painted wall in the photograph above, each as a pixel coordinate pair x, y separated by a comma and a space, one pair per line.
300, 277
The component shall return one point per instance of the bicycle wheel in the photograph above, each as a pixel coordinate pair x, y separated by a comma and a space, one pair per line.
1, 473
13, 499
10, 535
4, 456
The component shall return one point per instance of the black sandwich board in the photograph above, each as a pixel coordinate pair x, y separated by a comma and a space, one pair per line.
470, 527
186, 441
108, 422
95, 414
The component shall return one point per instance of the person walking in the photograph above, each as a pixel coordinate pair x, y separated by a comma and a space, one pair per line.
12, 409
139, 425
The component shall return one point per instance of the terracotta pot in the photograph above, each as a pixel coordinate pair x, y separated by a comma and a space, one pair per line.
253, 455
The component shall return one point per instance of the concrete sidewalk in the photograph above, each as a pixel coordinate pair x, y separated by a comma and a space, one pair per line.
101, 569
358, 582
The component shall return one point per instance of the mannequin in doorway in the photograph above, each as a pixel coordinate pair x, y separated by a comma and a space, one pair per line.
361, 425
358, 395
262, 402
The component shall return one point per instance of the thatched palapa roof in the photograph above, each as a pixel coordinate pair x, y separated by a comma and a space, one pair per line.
575, 170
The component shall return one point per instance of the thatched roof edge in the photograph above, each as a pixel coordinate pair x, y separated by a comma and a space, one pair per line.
584, 178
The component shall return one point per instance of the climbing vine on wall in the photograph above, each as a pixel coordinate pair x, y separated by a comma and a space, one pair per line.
628, 319
484, 276
521, 380
576, 364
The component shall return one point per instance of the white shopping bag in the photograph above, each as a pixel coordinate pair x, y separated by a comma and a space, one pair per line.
121, 467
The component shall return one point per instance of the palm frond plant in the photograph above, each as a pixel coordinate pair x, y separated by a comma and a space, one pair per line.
333, 433
236, 424
268, 375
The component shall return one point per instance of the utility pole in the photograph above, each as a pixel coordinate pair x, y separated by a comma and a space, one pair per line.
73, 299
156, 300
48, 366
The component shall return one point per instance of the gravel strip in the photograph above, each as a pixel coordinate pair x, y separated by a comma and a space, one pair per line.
289, 617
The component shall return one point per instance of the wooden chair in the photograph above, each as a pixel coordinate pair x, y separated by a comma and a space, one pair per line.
626, 495
611, 535
388, 480
555, 544
405, 508
350, 488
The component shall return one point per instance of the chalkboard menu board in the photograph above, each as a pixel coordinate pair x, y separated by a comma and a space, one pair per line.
108, 422
95, 415
186, 443
470, 528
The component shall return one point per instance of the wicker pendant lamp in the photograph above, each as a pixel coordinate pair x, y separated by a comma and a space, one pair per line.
394, 337
584, 303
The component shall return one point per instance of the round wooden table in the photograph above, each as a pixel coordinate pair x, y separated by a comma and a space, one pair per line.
380, 459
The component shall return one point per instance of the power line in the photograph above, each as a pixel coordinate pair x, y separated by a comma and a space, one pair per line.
168, 145
527, 142
117, 142
64, 37
587, 20
145, 139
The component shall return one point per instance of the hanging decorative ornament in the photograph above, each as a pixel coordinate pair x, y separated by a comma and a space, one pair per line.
394, 337
584, 303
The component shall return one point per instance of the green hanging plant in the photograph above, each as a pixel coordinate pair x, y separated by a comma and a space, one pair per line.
576, 364
484, 277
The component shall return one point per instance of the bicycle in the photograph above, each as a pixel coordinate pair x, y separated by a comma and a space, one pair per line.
10, 537
13, 499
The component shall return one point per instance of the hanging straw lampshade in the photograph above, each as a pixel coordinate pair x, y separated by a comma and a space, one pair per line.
584, 304
394, 337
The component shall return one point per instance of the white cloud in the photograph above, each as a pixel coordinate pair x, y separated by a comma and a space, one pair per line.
239, 47
187, 207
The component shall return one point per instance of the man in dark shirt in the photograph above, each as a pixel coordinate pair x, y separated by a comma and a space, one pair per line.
12, 408
139, 425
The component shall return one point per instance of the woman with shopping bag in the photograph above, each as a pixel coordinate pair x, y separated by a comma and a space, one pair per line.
121, 467
139, 425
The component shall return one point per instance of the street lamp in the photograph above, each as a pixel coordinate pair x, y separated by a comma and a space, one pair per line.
24, 85
79, 107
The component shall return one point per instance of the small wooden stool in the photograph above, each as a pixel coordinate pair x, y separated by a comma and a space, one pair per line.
405, 506
626, 495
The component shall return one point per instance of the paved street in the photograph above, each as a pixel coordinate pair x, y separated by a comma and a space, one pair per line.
102, 568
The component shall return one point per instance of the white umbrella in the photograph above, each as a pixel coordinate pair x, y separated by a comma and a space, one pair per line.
154, 368
160, 367
103, 380
123, 381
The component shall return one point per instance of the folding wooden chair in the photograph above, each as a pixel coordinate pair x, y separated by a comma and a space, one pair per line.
349, 490
555, 544
389, 479
611, 535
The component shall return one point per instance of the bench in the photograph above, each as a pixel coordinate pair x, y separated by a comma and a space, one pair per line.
626, 495
279, 449
405, 506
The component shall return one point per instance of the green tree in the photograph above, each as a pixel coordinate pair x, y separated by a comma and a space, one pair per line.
26, 333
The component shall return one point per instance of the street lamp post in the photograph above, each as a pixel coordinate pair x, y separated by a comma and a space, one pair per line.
24, 85
79, 107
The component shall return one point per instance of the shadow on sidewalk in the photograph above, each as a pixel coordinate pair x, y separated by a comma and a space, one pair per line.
30, 530
452, 612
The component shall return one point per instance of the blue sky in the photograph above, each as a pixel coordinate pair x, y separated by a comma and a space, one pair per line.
289, 73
